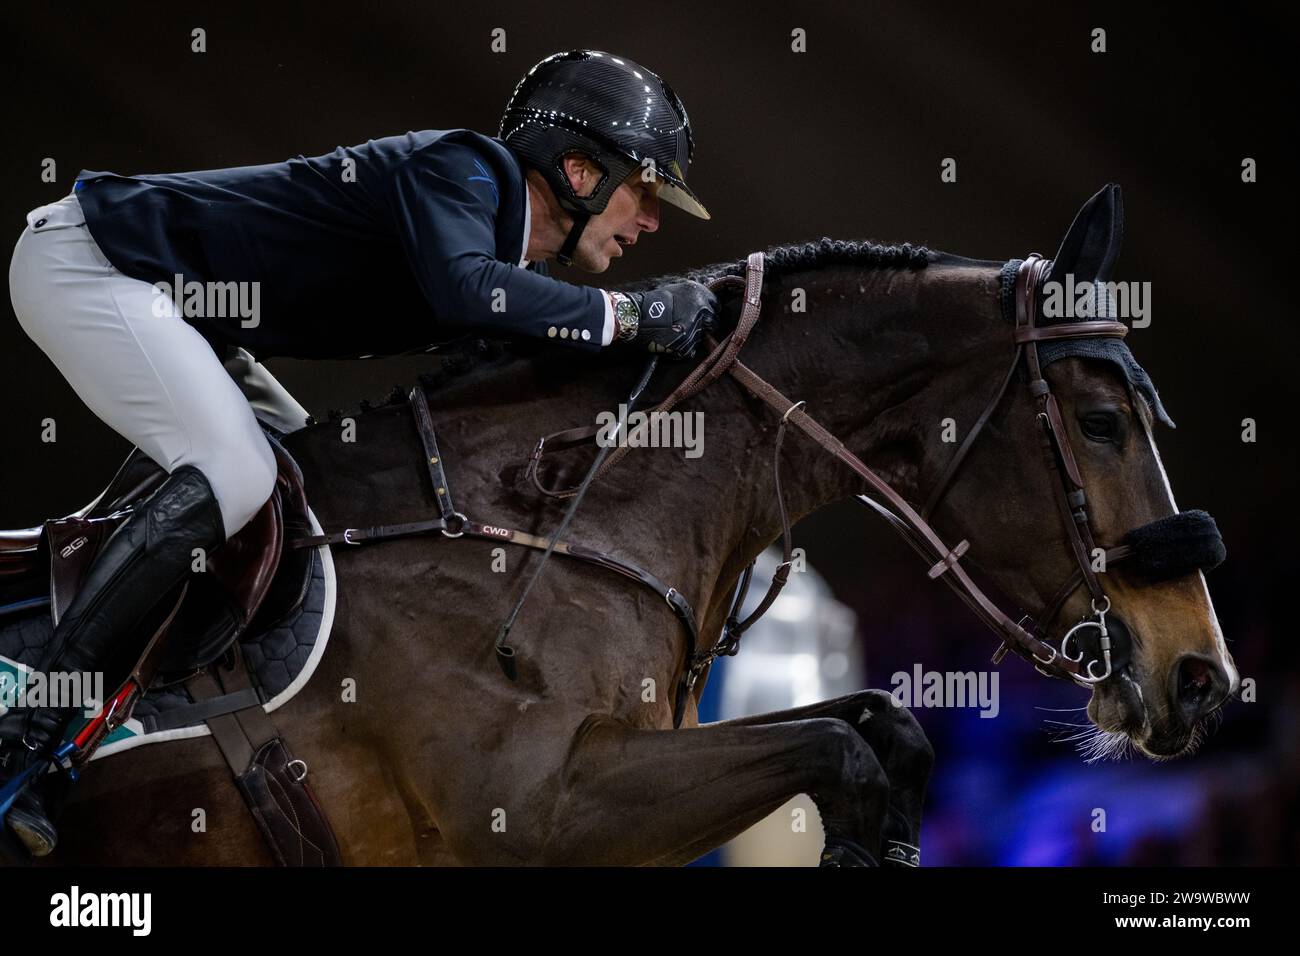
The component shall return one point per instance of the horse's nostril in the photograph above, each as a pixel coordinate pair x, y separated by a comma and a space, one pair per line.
1198, 683
1196, 674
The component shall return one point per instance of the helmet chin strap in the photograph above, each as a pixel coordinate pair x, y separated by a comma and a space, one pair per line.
565, 255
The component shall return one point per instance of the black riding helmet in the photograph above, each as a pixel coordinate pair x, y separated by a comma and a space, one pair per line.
608, 108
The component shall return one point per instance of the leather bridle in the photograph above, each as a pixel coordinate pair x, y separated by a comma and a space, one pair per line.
1025, 636
1068, 490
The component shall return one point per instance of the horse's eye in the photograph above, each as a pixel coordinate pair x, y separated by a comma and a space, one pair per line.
1100, 427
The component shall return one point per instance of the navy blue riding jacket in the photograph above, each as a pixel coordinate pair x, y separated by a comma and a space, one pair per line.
377, 249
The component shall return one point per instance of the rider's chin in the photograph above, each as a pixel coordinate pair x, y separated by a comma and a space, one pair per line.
595, 263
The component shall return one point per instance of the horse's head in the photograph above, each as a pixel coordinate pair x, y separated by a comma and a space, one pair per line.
1170, 666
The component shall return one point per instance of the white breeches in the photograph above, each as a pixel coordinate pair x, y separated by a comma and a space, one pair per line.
152, 379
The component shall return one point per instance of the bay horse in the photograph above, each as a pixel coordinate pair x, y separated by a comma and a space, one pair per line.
440, 759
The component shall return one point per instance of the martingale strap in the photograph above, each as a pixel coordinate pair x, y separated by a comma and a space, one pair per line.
912, 525
504, 650
719, 360
453, 524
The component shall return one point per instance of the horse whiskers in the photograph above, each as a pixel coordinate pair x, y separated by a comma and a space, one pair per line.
1106, 745
1202, 729
1093, 743
1062, 735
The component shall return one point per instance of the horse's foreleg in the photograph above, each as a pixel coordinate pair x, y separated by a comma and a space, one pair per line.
632, 796
899, 744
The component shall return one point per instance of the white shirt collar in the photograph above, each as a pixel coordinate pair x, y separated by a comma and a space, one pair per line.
528, 225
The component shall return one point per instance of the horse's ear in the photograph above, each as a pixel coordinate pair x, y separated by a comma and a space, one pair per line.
1091, 247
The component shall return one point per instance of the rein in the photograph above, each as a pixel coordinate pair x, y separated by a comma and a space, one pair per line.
914, 527
1022, 636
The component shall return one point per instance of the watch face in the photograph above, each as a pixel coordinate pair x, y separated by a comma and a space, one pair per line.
625, 314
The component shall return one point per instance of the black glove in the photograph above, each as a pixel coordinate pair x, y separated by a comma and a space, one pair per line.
671, 319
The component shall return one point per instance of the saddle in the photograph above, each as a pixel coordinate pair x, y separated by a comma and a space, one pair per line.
252, 581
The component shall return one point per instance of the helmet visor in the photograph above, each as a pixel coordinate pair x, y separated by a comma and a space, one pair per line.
677, 193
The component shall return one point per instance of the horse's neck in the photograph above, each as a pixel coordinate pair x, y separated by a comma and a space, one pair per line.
881, 357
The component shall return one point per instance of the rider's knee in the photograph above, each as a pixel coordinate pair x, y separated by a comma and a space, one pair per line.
242, 483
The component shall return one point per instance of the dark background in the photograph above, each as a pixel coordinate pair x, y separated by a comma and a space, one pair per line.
843, 141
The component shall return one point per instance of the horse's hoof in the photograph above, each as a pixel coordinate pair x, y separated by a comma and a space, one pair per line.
842, 852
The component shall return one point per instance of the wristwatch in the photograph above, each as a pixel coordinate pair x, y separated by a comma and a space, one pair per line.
627, 317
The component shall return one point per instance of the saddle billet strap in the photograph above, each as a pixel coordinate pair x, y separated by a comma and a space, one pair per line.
271, 780
721, 357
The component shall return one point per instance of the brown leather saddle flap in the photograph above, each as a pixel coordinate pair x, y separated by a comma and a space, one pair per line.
250, 576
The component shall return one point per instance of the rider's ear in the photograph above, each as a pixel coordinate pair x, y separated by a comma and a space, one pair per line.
584, 174
1091, 247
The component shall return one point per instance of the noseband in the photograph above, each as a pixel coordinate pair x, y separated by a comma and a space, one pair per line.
1162, 549
1166, 548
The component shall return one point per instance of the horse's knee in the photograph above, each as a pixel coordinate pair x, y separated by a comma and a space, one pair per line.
896, 735
849, 759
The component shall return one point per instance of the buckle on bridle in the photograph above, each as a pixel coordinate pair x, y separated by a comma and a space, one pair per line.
729, 643
347, 536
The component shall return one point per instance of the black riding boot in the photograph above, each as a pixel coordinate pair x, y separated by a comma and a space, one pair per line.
140, 564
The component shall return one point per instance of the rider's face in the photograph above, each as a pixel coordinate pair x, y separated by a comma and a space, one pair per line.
633, 209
